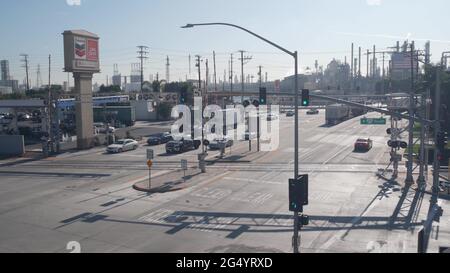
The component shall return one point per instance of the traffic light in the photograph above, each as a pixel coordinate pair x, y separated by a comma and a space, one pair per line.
262, 96
438, 215
305, 97
441, 140
183, 96
298, 193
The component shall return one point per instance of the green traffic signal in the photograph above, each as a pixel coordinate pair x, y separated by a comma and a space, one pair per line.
305, 97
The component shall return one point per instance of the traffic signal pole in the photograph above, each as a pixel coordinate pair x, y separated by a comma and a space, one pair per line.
296, 132
296, 238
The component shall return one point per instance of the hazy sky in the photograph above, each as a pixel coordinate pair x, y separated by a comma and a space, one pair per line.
318, 29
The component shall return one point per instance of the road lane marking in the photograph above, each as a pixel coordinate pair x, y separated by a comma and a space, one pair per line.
253, 181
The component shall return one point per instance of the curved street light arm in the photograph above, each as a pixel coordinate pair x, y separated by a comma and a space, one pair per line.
293, 54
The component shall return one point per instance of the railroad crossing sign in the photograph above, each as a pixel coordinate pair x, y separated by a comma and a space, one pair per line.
373, 121
149, 163
150, 154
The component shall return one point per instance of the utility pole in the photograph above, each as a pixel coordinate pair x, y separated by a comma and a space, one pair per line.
231, 73
258, 133
206, 82
352, 69
368, 63
409, 175
38, 76
50, 106
143, 52
224, 79
167, 70
25, 65
374, 63
359, 65
243, 59
215, 74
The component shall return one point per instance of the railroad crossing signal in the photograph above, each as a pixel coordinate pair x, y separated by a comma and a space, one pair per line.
305, 97
398, 144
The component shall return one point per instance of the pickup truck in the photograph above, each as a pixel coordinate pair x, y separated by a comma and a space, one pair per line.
182, 145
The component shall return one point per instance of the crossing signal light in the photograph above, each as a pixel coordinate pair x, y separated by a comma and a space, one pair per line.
305, 97
397, 144
256, 103
246, 103
298, 193
262, 96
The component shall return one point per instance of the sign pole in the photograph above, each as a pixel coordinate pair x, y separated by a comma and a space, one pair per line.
150, 178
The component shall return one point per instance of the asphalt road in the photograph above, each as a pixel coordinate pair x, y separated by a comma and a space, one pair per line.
240, 205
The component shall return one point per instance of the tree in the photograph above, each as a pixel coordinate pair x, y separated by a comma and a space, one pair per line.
110, 89
156, 86
164, 111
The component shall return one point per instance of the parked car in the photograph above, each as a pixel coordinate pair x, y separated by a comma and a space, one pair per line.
123, 145
161, 138
106, 129
290, 114
23, 117
363, 144
217, 142
181, 146
312, 112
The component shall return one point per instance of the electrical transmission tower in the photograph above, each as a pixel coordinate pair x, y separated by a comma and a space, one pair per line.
25, 65
38, 77
142, 55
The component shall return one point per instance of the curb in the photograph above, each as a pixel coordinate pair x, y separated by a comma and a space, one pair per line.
156, 190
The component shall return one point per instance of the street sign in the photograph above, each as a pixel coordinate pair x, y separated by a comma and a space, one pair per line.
373, 121
149, 154
149, 163
184, 164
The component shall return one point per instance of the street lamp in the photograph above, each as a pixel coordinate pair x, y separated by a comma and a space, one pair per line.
296, 134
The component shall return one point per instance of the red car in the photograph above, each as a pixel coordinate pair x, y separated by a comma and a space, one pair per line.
363, 144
